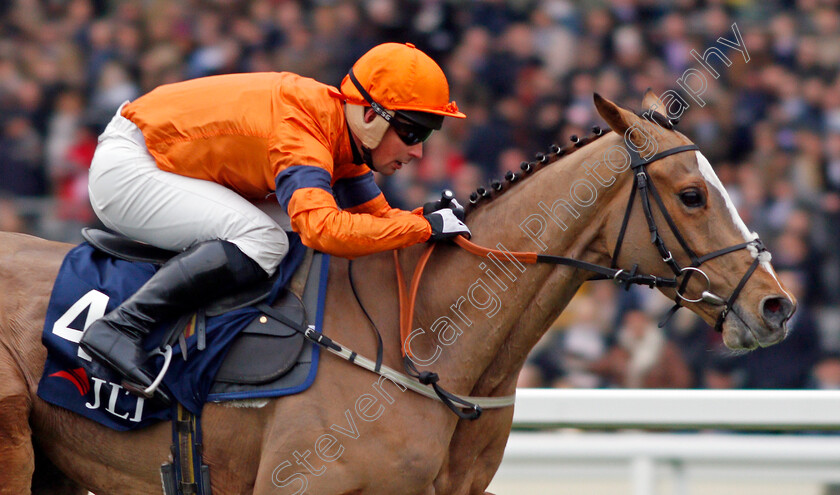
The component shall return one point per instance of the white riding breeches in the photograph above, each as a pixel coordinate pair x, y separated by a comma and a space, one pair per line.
132, 196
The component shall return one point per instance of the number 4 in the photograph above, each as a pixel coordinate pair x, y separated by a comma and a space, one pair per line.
97, 302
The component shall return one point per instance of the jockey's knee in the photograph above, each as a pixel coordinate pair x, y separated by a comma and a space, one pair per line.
266, 247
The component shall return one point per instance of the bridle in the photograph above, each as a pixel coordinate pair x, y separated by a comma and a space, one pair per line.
644, 187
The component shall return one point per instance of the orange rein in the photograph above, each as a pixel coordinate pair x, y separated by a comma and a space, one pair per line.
407, 301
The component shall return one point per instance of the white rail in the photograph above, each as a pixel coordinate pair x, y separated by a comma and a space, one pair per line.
645, 458
678, 409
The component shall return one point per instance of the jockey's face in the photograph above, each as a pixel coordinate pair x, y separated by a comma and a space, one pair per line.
392, 153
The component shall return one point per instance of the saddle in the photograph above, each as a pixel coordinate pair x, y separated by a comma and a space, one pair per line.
264, 351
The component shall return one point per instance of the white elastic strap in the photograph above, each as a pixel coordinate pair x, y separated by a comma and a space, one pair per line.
410, 383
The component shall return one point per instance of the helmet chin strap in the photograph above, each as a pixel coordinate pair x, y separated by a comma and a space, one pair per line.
367, 158
362, 158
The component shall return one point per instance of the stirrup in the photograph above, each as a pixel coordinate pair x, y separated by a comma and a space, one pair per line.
149, 392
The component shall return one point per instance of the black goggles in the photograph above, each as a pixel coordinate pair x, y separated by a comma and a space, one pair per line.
409, 132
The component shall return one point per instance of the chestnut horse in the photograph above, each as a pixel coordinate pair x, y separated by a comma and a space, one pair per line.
476, 320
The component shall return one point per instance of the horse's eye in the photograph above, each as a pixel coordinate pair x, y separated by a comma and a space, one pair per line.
692, 198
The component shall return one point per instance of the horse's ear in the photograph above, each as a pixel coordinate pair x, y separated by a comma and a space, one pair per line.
652, 102
618, 118
625, 123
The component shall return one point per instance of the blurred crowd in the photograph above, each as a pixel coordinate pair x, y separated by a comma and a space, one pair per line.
524, 72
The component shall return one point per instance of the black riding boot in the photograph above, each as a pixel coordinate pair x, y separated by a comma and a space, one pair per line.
185, 283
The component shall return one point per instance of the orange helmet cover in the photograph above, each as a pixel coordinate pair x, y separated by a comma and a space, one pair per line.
401, 77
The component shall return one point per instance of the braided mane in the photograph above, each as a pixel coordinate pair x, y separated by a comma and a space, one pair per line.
497, 187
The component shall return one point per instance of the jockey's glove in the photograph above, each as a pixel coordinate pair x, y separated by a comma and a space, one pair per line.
453, 205
445, 225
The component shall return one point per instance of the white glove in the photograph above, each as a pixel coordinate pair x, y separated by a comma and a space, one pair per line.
445, 225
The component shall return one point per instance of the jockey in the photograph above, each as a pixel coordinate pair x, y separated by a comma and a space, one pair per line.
179, 167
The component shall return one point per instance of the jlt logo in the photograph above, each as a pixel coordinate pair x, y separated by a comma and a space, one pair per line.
113, 395
105, 393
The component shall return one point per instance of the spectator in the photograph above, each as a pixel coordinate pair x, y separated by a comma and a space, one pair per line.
826, 375
71, 178
22, 173
565, 357
643, 357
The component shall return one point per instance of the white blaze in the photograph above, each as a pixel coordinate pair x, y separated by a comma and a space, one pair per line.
712, 178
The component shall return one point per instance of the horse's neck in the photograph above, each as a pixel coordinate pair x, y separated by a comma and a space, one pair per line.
504, 310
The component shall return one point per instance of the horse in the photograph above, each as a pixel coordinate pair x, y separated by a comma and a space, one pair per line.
475, 322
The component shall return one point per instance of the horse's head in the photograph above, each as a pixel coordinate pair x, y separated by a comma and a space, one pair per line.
680, 208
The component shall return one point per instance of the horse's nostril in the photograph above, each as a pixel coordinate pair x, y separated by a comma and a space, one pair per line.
776, 310
772, 306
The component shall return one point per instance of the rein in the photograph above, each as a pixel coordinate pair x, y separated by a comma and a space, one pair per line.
644, 187
408, 298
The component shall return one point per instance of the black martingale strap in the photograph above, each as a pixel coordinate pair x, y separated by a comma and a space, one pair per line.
379, 345
462, 408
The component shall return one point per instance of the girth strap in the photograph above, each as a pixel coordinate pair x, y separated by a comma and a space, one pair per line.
187, 474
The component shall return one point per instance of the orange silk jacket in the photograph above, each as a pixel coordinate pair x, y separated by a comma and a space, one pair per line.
270, 132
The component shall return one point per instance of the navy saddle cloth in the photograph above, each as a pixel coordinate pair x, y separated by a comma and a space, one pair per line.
91, 282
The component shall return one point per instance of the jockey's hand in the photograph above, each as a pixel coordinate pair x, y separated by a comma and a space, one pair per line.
452, 204
445, 225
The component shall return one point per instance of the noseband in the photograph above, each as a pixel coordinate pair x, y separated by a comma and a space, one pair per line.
643, 185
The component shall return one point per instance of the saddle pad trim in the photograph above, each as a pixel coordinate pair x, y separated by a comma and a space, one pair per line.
316, 352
